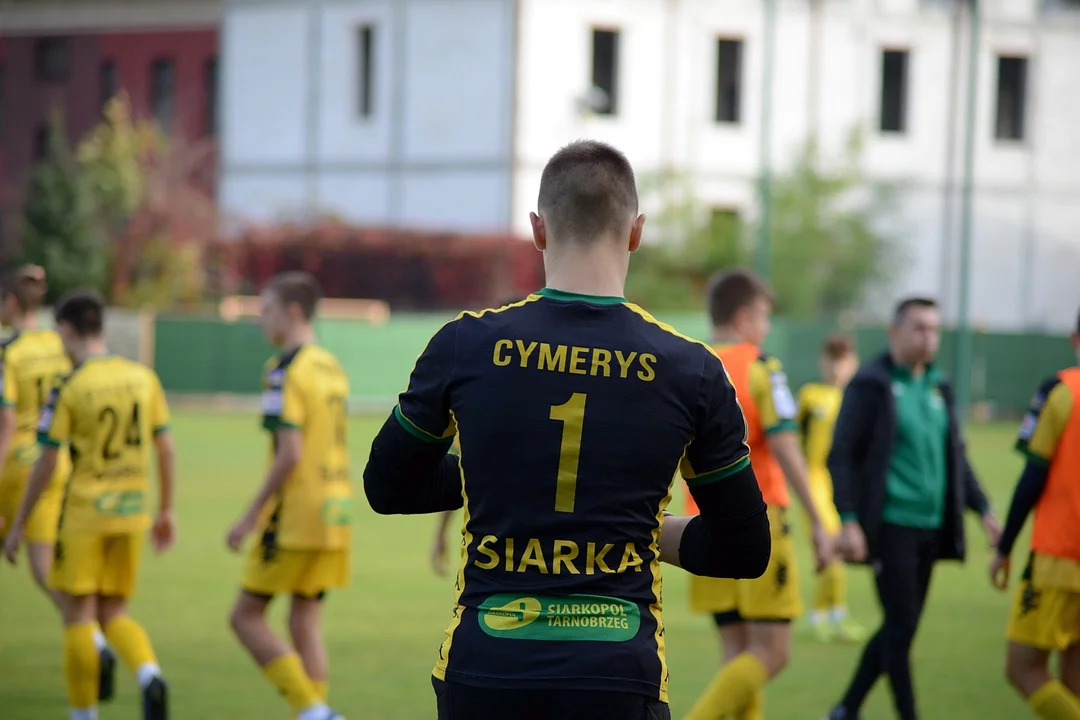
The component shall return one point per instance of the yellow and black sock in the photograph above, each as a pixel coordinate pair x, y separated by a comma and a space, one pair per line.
1053, 701
287, 675
81, 666
131, 643
732, 691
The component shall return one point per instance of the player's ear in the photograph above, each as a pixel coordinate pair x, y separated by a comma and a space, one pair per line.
539, 232
636, 232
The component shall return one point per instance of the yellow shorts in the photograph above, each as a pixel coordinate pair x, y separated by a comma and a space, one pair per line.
41, 525
821, 493
96, 564
773, 596
307, 573
1044, 616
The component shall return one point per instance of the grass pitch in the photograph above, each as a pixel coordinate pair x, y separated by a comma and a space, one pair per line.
384, 630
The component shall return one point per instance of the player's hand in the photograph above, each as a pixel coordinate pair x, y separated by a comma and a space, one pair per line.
992, 527
438, 555
999, 571
239, 531
823, 547
853, 542
12, 543
163, 531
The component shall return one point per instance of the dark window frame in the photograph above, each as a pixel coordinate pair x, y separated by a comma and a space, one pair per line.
108, 82
54, 68
894, 98
211, 92
729, 95
1011, 122
605, 71
365, 70
163, 99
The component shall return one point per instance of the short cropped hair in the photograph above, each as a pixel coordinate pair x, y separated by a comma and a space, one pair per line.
297, 287
837, 346
587, 191
906, 304
27, 285
83, 310
732, 290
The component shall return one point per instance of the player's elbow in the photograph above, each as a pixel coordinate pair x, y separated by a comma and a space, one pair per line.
379, 492
759, 547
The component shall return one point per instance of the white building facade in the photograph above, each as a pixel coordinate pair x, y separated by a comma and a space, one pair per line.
442, 113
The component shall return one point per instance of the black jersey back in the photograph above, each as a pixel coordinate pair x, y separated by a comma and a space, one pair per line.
573, 413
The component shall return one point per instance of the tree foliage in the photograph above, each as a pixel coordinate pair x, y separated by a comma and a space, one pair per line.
828, 243
58, 228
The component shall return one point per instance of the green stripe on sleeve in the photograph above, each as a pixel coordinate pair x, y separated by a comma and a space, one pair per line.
44, 439
785, 425
418, 432
717, 475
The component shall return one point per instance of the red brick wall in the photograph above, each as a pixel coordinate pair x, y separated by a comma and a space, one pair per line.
26, 101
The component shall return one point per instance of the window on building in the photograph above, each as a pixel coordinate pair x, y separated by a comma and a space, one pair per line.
729, 55
894, 91
107, 82
51, 60
210, 101
365, 71
1011, 98
162, 85
605, 71
41, 141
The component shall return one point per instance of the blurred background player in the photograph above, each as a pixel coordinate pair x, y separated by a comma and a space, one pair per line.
574, 409
1046, 612
110, 411
901, 481
32, 359
819, 403
439, 546
754, 616
302, 512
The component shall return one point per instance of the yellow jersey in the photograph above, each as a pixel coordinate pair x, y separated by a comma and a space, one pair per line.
306, 389
31, 363
108, 411
819, 404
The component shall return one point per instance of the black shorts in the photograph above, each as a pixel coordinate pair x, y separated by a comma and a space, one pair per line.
463, 702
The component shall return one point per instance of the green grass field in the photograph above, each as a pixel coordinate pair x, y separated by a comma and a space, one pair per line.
383, 631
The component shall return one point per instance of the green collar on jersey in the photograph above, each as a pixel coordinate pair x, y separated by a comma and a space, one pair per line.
553, 294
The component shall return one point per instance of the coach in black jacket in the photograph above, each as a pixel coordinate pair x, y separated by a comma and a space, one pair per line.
901, 481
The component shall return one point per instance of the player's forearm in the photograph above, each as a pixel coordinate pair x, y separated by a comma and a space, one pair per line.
7, 429
785, 447
275, 480
444, 522
166, 463
407, 476
1028, 491
36, 486
730, 537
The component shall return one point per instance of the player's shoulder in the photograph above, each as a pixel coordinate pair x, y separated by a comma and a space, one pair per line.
1051, 390
667, 336
314, 360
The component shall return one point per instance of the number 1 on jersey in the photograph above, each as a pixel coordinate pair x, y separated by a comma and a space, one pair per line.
572, 415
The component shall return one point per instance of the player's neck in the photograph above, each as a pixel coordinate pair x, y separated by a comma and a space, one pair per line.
585, 278
25, 323
726, 335
917, 369
299, 335
90, 347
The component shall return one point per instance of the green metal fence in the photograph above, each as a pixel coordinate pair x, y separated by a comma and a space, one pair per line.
206, 356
